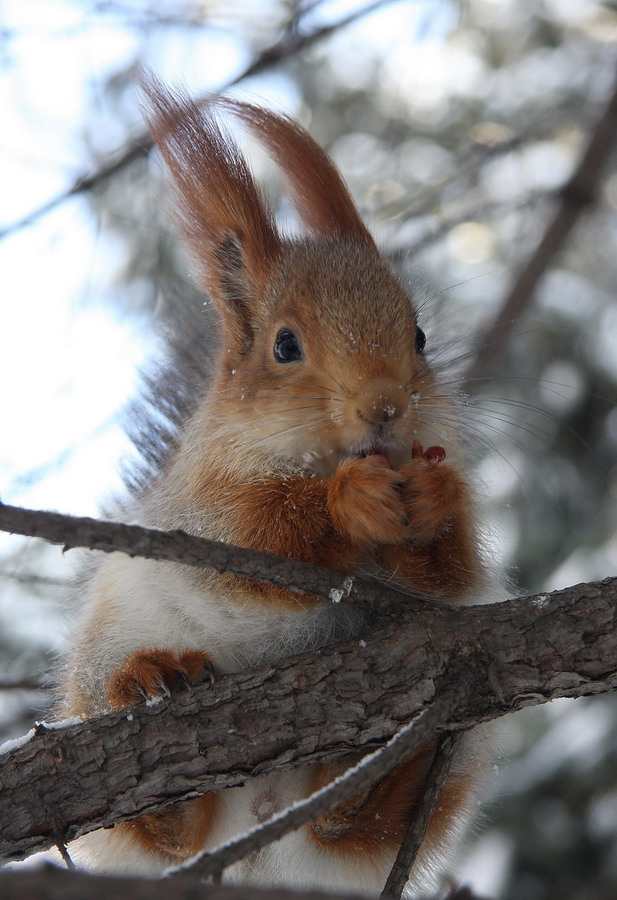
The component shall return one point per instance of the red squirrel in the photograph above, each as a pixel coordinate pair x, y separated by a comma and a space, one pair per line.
319, 438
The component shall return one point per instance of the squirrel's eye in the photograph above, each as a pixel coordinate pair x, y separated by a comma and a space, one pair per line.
420, 340
286, 347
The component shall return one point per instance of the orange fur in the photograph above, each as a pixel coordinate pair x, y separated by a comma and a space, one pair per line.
365, 502
440, 555
320, 194
177, 833
226, 225
376, 820
432, 494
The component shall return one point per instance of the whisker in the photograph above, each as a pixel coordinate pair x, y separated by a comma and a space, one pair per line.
451, 287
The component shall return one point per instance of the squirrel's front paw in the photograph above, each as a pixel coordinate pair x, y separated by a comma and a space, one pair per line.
154, 673
365, 503
432, 493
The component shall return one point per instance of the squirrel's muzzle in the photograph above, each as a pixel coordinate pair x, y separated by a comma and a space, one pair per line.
382, 404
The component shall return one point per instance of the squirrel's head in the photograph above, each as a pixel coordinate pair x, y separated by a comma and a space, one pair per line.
322, 356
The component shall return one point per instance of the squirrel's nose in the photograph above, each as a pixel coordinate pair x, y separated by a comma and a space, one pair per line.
381, 406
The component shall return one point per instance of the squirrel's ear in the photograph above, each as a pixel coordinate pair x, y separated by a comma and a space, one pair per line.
221, 214
318, 191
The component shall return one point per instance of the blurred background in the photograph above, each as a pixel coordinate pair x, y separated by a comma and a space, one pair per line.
456, 124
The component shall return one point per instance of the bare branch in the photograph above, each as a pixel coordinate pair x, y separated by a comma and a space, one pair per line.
25, 683
51, 883
33, 578
357, 779
66, 857
578, 194
440, 225
177, 546
416, 830
68, 780
293, 41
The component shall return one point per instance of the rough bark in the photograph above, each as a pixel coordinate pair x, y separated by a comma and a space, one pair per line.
357, 779
312, 707
49, 883
178, 546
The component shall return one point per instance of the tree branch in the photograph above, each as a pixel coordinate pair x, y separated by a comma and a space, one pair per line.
180, 547
416, 830
578, 194
358, 778
66, 781
51, 883
25, 683
292, 41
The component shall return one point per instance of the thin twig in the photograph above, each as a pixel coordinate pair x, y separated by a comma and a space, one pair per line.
440, 225
177, 546
357, 779
292, 42
32, 578
416, 830
64, 853
26, 683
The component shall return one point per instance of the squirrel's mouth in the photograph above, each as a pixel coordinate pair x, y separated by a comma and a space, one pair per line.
379, 452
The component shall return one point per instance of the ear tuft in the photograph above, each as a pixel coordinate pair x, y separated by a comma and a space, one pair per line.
320, 195
227, 226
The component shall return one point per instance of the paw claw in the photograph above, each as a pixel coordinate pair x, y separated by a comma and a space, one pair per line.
157, 673
142, 692
184, 679
162, 688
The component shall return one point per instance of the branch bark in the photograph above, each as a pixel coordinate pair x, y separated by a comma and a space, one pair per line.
50, 883
178, 546
66, 781
416, 829
368, 771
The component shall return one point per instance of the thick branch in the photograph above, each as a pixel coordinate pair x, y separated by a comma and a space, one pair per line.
309, 708
578, 194
50, 883
357, 779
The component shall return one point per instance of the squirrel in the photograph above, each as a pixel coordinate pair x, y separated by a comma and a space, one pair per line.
313, 440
